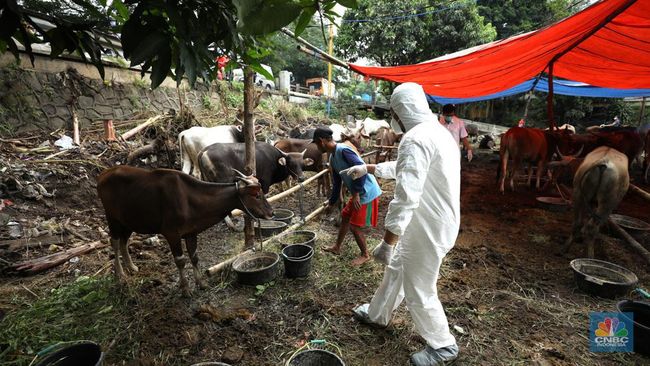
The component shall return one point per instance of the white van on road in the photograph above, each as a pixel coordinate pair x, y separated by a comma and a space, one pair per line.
259, 79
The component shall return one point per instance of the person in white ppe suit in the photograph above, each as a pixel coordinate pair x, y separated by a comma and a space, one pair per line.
421, 224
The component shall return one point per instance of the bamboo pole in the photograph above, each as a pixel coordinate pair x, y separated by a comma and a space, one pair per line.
288, 191
385, 147
132, 132
249, 140
630, 240
228, 262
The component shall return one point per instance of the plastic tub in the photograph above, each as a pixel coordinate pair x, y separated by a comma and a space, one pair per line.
304, 237
268, 227
297, 260
641, 311
256, 268
602, 278
316, 357
284, 215
635, 227
82, 353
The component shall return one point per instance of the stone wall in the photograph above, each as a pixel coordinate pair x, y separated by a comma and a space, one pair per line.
44, 96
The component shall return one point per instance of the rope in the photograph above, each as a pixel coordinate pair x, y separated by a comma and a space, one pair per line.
318, 343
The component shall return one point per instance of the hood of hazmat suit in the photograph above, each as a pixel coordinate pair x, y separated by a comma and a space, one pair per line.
425, 213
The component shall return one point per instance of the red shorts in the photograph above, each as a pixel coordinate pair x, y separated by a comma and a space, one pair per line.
364, 216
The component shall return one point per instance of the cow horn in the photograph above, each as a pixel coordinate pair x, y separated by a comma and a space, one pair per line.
303, 152
239, 174
557, 149
579, 151
281, 152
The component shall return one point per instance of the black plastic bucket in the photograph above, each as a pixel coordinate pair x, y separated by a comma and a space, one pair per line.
297, 260
316, 357
82, 353
641, 311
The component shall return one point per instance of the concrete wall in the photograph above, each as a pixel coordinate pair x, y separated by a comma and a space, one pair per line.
43, 96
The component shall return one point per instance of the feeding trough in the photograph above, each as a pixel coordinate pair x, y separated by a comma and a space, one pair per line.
635, 227
267, 228
256, 268
557, 204
602, 278
282, 214
304, 237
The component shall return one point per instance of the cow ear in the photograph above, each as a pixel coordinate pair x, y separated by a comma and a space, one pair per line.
308, 162
239, 128
364, 135
252, 190
282, 161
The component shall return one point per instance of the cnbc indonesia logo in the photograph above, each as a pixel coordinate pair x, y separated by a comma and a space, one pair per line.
611, 334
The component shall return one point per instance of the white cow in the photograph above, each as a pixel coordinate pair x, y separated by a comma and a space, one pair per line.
193, 140
369, 127
338, 130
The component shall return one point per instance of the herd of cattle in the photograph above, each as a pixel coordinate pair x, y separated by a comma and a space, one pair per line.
598, 169
181, 204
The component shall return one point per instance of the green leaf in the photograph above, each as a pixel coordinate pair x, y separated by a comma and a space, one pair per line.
348, 3
122, 10
161, 66
303, 20
149, 47
258, 17
257, 67
188, 61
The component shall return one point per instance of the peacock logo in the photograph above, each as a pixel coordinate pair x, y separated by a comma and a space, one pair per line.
611, 327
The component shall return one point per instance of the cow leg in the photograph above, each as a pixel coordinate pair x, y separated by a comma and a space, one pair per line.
117, 265
503, 166
191, 244
124, 249
540, 170
180, 260
231, 224
516, 164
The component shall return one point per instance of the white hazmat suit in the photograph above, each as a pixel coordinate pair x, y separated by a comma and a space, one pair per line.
425, 213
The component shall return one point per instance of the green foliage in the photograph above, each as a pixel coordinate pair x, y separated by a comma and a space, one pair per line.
511, 17
411, 40
89, 308
206, 102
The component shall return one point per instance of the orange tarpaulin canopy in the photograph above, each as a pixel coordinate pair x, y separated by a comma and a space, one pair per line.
606, 45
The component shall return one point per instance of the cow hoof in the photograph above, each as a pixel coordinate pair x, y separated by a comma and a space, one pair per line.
133, 268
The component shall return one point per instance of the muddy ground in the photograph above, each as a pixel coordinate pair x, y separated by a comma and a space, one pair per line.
510, 298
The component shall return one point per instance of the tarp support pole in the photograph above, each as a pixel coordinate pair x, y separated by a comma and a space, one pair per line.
642, 111
549, 98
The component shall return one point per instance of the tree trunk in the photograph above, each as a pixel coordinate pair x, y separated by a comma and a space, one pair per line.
249, 139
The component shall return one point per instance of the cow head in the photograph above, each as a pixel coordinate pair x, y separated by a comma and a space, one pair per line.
354, 138
238, 132
252, 197
295, 162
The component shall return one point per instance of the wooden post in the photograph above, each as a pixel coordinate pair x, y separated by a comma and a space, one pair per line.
75, 127
549, 98
642, 111
109, 130
630, 240
249, 139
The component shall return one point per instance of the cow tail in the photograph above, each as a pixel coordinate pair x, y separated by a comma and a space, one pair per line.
180, 148
504, 159
597, 169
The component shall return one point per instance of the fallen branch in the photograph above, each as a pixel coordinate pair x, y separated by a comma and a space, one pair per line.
41, 264
145, 150
74, 232
62, 152
132, 132
630, 240
640, 192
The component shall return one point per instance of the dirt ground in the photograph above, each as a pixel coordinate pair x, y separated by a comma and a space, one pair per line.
510, 298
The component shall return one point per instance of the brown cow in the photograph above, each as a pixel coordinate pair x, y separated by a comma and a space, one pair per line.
386, 137
173, 204
527, 144
598, 187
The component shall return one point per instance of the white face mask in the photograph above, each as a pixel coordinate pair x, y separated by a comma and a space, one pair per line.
395, 126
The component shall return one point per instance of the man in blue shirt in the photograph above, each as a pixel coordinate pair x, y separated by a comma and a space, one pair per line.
363, 207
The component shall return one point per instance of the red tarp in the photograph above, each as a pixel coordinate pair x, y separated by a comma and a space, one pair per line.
615, 56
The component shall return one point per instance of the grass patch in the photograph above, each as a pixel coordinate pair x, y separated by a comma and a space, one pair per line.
87, 309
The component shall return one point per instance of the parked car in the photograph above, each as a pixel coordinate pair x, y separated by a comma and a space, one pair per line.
259, 79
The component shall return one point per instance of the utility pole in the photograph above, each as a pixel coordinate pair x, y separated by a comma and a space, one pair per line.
329, 69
